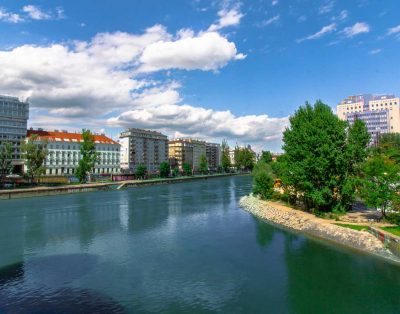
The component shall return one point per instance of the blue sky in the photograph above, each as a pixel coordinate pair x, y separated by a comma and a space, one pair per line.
209, 69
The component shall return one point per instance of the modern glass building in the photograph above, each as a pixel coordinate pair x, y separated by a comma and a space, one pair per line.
14, 116
380, 113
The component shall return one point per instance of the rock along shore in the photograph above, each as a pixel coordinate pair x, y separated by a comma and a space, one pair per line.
309, 224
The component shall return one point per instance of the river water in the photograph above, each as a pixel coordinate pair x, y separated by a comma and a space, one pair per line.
176, 248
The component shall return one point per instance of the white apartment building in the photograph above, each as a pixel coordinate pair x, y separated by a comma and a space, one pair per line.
143, 147
381, 113
187, 150
64, 152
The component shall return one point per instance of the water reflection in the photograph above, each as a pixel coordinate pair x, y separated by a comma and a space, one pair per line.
41, 285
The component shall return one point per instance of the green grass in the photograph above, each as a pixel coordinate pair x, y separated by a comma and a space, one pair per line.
392, 230
354, 227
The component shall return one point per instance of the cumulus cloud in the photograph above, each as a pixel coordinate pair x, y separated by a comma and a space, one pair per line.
324, 30
107, 82
207, 51
10, 17
227, 18
356, 29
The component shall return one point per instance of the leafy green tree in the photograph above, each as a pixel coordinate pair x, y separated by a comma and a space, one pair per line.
89, 156
266, 156
34, 152
321, 157
389, 145
263, 180
175, 172
6, 151
164, 169
380, 186
203, 164
244, 158
225, 158
187, 169
140, 171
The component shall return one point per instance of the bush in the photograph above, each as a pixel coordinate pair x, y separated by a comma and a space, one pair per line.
263, 185
394, 218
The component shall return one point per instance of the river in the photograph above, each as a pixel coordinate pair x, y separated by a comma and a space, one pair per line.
176, 248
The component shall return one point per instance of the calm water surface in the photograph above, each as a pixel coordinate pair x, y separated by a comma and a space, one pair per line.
174, 249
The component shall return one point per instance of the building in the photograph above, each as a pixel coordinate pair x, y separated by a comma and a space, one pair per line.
14, 116
186, 150
381, 113
232, 157
213, 154
143, 147
64, 152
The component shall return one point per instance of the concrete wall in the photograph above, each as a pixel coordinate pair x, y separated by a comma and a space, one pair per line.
391, 241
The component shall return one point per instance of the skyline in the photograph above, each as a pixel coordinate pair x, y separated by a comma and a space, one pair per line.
202, 69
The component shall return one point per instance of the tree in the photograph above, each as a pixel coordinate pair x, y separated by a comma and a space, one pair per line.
263, 180
389, 145
225, 158
244, 158
203, 164
380, 186
322, 154
186, 168
266, 156
140, 171
6, 151
164, 169
34, 152
89, 156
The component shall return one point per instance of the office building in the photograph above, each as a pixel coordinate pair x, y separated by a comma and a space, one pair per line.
143, 147
64, 152
381, 113
14, 115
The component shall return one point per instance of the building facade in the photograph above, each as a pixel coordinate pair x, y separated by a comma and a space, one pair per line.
381, 113
64, 152
14, 116
213, 154
143, 147
186, 150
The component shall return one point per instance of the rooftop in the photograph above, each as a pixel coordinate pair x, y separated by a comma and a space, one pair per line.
65, 136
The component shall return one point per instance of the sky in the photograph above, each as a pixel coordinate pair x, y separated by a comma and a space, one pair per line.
206, 69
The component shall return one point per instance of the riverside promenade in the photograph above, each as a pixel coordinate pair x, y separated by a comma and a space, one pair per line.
90, 187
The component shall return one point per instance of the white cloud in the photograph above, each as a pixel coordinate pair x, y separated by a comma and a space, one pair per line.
227, 18
36, 13
269, 21
274, 2
96, 84
10, 17
324, 30
356, 29
326, 7
394, 30
344, 14
375, 51
207, 51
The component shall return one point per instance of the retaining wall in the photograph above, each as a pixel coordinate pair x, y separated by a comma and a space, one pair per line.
391, 241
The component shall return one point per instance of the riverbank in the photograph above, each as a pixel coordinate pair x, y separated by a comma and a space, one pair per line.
90, 187
310, 225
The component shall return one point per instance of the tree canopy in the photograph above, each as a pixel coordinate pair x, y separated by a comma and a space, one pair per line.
164, 169
203, 164
6, 151
34, 152
322, 154
89, 156
225, 158
140, 171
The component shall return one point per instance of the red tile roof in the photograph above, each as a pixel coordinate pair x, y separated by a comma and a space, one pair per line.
59, 136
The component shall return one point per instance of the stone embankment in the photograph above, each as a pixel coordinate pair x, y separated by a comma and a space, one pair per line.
309, 224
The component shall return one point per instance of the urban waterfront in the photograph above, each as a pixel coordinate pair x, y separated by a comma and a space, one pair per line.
177, 248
